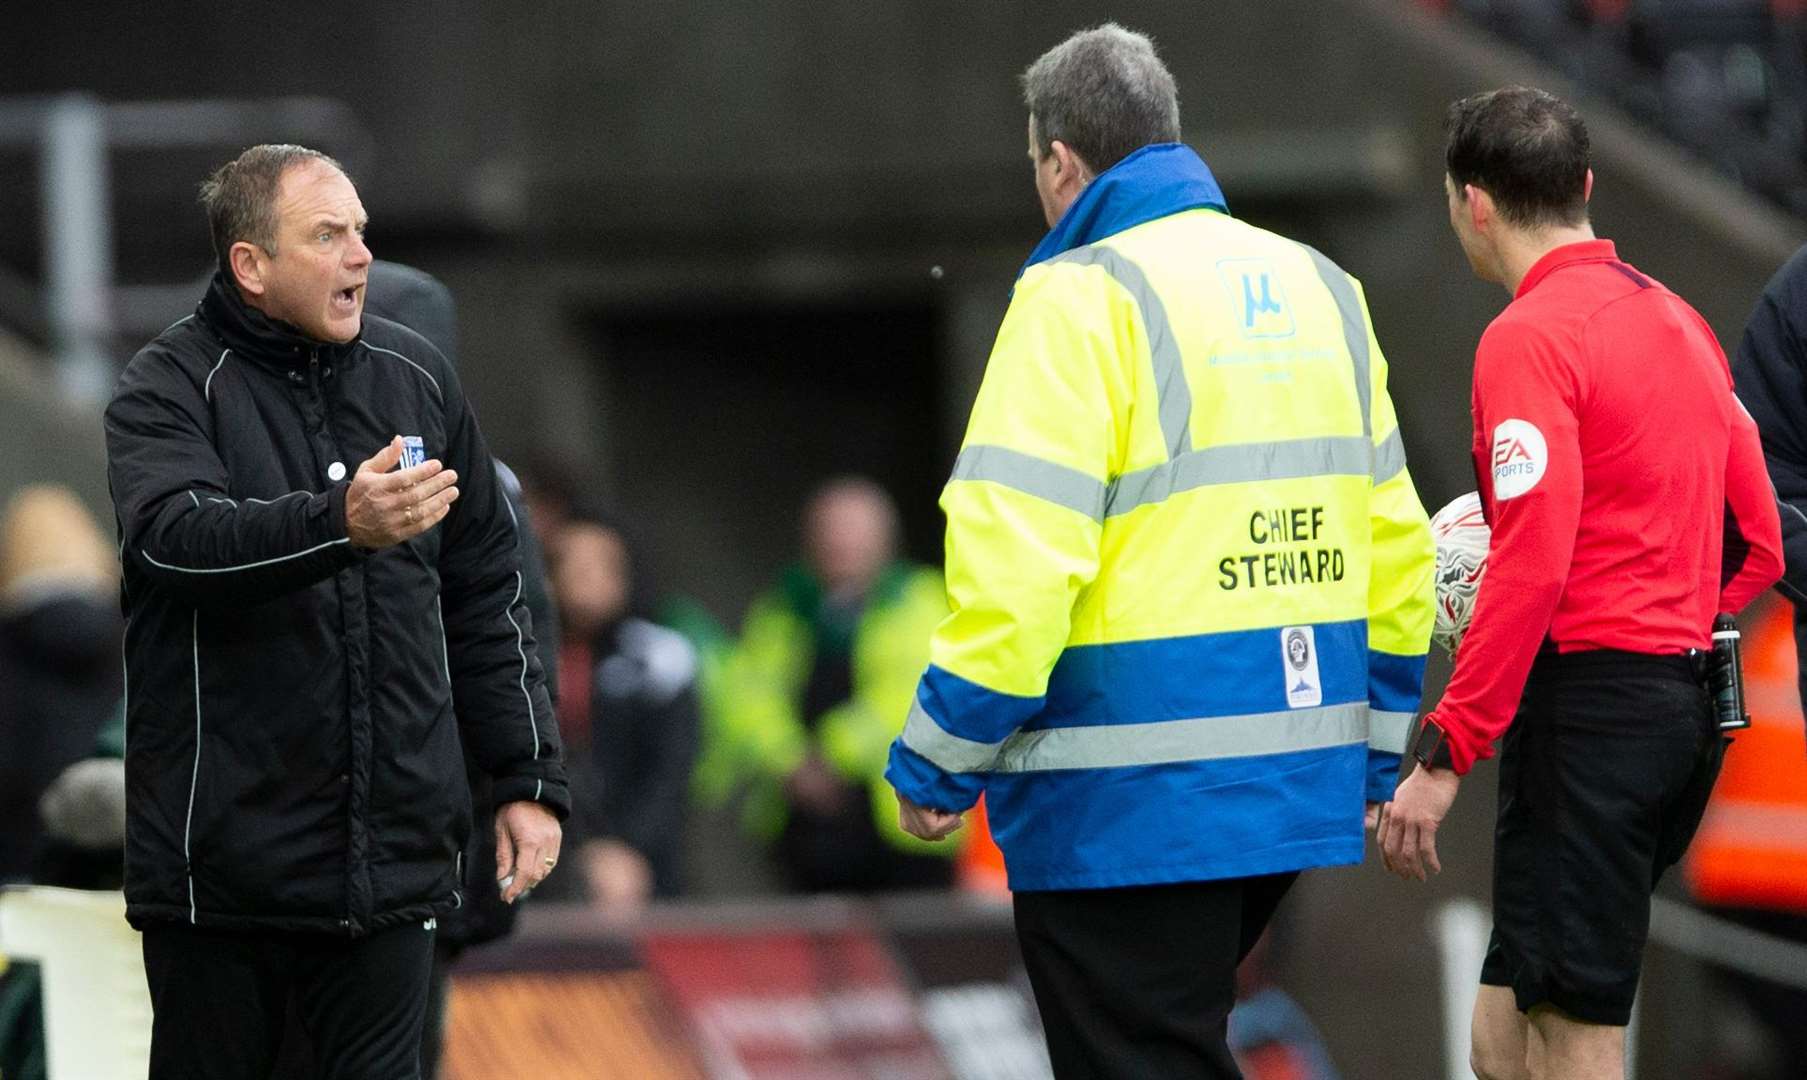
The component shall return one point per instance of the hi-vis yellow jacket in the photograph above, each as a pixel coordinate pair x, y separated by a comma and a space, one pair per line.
1190, 581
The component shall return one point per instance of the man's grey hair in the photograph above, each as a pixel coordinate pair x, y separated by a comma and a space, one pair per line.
1104, 93
240, 196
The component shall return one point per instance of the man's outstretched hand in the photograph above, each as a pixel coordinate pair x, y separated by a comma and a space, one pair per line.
383, 508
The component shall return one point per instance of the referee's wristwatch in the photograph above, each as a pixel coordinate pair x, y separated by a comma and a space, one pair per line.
1431, 747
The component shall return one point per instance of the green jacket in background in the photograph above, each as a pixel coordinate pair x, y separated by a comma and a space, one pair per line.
757, 734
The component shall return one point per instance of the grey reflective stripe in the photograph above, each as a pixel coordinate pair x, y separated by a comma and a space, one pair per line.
1389, 458
1035, 476
1389, 731
1344, 455
241, 566
1175, 394
1114, 746
922, 734
1355, 330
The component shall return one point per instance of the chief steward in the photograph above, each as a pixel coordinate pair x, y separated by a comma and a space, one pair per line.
1188, 575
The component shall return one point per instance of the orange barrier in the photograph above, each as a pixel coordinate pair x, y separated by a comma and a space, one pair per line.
1751, 850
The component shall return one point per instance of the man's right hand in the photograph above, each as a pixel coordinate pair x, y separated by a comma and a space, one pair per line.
925, 823
383, 508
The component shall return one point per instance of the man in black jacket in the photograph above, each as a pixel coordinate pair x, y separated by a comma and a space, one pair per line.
1770, 372
305, 620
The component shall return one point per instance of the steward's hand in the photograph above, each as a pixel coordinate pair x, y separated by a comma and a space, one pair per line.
924, 823
383, 508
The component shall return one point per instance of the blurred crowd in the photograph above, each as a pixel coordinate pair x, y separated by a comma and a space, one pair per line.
1726, 78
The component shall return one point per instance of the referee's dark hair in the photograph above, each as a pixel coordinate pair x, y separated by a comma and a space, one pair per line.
1527, 149
240, 196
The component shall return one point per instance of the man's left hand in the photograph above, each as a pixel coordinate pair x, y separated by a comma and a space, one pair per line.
527, 843
1408, 825
924, 823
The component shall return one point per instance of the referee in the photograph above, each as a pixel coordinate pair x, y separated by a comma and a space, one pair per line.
1626, 492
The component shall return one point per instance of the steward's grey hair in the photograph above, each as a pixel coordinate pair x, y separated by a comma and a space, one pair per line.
1104, 93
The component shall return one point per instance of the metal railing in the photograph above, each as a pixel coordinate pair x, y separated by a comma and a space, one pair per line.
80, 309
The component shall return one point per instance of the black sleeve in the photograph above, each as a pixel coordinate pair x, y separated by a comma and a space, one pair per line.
498, 685
537, 591
1770, 374
177, 523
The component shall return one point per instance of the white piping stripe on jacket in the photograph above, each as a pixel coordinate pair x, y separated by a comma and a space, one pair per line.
175, 324
207, 387
520, 646
243, 566
410, 363
194, 778
520, 639
445, 652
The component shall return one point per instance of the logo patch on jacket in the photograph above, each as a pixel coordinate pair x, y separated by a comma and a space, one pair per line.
1256, 297
1520, 457
1299, 664
414, 452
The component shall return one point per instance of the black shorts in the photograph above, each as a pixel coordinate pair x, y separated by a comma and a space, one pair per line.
1604, 776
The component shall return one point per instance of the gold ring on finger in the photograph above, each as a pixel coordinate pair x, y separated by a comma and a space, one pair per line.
551, 862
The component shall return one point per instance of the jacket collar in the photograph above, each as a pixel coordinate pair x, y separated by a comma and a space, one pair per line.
250, 333
1155, 181
1557, 258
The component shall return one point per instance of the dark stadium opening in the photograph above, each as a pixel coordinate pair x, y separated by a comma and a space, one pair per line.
721, 418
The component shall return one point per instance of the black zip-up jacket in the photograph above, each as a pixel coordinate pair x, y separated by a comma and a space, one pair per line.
1769, 373
292, 757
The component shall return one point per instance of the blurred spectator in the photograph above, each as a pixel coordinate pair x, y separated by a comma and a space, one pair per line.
553, 489
821, 681
59, 654
83, 819
628, 714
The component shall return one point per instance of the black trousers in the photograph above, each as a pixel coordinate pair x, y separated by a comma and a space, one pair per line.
1139, 982
221, 1001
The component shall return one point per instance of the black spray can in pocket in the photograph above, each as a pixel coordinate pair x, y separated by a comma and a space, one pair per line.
1725, 677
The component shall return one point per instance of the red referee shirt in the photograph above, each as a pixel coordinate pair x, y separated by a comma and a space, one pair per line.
1623, 481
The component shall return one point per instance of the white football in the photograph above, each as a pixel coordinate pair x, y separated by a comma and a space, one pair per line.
1461, 532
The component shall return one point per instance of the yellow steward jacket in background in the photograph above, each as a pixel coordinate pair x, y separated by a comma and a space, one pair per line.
1190, 581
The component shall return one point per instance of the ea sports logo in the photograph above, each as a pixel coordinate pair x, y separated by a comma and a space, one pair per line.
1520, 457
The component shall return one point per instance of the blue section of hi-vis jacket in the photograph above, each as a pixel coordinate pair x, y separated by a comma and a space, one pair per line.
1185, 821
1139, 682
1395, 683
1153, 182
1174, 759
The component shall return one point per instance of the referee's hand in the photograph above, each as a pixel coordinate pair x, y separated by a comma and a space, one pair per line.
1407, 833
